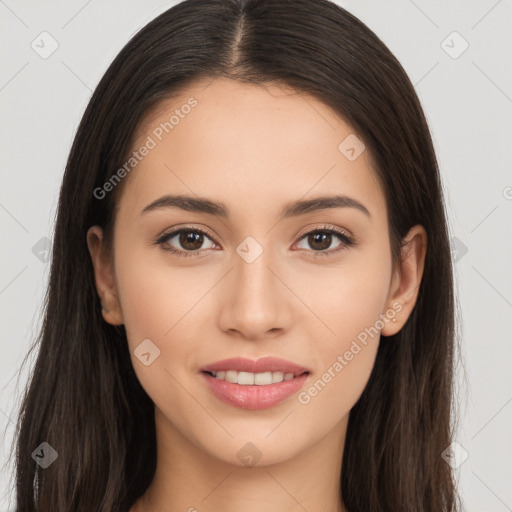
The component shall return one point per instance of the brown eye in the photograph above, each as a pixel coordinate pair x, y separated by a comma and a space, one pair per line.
185, 240
320, 241
191, 240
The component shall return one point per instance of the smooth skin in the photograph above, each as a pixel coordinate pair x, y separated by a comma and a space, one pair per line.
255, 149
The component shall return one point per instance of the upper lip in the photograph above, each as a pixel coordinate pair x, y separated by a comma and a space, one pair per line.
262, 365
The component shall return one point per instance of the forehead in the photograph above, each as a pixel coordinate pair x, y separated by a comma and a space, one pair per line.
246, 145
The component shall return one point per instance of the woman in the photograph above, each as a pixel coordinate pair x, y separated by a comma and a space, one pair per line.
250, 302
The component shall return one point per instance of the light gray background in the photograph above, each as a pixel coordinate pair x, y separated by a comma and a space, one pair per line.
468, 103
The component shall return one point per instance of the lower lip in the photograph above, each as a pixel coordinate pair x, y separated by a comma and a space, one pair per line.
254, 397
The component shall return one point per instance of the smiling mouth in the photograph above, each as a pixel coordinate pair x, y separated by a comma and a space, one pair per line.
254, 384
254, 379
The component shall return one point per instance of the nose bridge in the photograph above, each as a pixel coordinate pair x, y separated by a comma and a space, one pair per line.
255, 302
253, 275
254, 282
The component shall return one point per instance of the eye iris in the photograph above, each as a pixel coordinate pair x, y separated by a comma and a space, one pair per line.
191, 240
324, 239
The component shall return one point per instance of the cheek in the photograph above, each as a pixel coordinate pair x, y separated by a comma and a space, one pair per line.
153, 294
163, 302
154, 307
348, 297
152, 302
350, 301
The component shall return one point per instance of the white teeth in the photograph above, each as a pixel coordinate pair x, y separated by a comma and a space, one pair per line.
262, 379
249, 379
246, 378
277, 377
231, 376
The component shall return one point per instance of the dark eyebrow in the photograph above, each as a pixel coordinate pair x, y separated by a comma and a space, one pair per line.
292, 209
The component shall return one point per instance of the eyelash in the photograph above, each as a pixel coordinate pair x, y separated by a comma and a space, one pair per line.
346, 240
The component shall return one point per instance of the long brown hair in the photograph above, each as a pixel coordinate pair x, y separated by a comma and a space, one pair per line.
83, 397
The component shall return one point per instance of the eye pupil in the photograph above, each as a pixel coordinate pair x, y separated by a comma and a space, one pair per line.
323, 238
191, 240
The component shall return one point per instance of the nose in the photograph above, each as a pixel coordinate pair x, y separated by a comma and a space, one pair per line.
256, 304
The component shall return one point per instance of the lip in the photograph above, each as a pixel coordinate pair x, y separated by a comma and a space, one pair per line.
264, 364
255, 397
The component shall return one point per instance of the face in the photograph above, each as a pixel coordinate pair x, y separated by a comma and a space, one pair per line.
312, 288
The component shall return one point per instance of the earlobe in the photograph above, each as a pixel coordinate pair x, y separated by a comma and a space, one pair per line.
406, 280
104, 277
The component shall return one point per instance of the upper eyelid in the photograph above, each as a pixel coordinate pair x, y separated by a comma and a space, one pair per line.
173, 232
326, 227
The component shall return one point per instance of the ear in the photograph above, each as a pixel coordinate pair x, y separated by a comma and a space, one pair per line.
406, 280
104, 276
